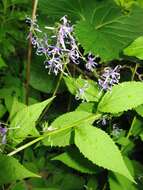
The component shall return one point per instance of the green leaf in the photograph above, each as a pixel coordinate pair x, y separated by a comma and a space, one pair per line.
23, 123
109, 30
75, 160
135, 49
87, 106
11, 170
91, 92
2, 110
2, 63
16, 107
118, 182
92, 183
73, 8
139, 110
20, 185
72, 119
124, 96
137, 126
40, 79
99, 148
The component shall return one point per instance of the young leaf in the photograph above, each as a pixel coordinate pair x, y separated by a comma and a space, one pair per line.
23, 123
124, 96
99, 148
105, 34
75, 160
11, 170
135, 49
72, 119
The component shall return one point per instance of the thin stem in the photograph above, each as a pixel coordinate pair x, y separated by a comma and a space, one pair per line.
54, 93
134, 71
75, 124
29, 56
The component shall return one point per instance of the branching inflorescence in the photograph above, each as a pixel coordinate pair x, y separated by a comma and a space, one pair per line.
61, 48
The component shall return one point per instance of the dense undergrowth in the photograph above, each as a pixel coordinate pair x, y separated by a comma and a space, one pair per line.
71, 95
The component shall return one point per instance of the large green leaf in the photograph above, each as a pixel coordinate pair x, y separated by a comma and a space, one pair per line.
103, 28
109, 31
73, 8
99, 148
135, 49
11, 170
75, 160
23, 123
122, 97
72, 119
40, 79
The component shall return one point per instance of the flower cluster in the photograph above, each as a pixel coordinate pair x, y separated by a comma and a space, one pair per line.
59, 48
109, 78
91, 63
62, 48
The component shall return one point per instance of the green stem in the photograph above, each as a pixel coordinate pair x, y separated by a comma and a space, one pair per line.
75, 124
54, 93
134, 71
29, 57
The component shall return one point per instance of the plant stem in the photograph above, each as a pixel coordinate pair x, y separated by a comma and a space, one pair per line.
54, 93
75, 124
29, 56
134, 71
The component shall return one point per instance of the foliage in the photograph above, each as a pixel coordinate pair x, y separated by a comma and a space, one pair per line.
71, 88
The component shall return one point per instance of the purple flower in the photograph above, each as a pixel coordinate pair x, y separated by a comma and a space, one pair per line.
110, 77
91, 64
3, 131
54, 65
74, 56
34, 41
65, 33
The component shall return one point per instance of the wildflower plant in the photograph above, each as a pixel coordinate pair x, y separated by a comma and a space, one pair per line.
74, 120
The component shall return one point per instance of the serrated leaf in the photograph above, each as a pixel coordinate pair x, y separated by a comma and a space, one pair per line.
124, 96
65, 137
73, 8
109, 30
91, 92
23, 123
99, 148
75, 160
11, 170
135, 49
